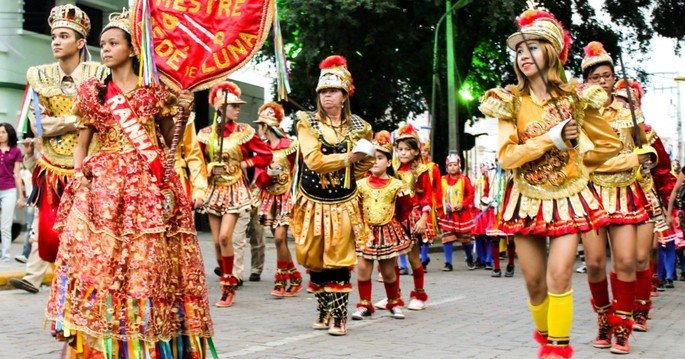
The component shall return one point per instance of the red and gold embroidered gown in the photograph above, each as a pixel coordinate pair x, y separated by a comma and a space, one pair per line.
126, 280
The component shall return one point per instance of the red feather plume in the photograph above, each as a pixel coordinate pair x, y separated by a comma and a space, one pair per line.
334, 60
224, 86
383, 137
594, 48
278, 109
621, 85
407, 130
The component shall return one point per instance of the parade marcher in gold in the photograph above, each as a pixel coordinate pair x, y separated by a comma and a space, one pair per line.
275, 199
623, 198
327, 218
549, 196
229, 155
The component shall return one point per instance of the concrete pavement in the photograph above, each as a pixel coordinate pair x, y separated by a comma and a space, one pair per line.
469, 315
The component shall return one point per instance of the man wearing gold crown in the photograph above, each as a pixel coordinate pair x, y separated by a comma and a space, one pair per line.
327, 216
54, 88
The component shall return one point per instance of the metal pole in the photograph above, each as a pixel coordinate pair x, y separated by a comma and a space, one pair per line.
681, 155
450, 8
452, 114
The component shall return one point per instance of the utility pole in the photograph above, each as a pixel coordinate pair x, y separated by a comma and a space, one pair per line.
681, 155
452, 113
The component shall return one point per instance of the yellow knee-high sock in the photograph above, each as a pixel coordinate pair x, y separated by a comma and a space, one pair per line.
539, 313
560, 318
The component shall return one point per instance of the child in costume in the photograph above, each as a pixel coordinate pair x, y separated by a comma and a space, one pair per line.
539, 123
457, 217
386, 203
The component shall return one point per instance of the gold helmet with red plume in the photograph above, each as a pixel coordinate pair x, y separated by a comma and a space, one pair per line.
271, 113
536, 24
636, 91
335, 75
595, 54
383, 142
408, 131
226, 89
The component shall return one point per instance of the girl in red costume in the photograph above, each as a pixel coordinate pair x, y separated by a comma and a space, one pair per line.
457, 203
549, 196
386, 203
129, 277
228, 156
274, 196
616, 183
415, 176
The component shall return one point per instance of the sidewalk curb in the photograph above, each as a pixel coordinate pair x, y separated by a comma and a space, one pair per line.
5, 278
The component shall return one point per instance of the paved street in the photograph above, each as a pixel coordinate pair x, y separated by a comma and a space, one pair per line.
470, 315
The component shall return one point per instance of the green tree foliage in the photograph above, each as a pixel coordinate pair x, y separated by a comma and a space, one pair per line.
389, 47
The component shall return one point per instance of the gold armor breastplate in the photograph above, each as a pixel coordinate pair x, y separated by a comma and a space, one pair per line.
623, 127
556, 173
379, 203
281, 184
232, 153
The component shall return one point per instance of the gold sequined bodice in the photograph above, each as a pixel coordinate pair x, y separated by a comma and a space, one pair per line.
556, 172
379, 203
231, 152
621, 121
280, 184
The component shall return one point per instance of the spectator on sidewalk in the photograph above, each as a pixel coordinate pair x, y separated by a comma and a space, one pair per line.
28, 164
11, 186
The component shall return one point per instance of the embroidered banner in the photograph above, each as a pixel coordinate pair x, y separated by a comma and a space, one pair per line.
200, 42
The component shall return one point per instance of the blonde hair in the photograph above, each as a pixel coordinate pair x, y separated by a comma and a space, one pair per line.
550, 63
346, 113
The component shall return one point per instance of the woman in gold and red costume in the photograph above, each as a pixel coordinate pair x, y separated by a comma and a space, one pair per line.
549, 196
657, 185
616, 183
228, 156
327, 217
129, 277
274, 185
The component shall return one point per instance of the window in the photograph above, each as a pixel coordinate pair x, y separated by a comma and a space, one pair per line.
96, 17
36, 14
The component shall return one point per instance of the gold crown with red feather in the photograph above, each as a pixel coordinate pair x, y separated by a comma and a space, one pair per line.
595, 54
408, 131
383, 142
71, 17
636, 91
226, 89
335, 75
271, 113
537, 24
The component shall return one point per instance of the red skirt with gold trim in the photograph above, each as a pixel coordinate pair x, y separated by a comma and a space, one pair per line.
389, 241
526, 216
624, 205
224, 199
460, 222
428, 236
274, 210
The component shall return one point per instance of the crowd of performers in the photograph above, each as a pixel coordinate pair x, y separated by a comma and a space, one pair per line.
129, 279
